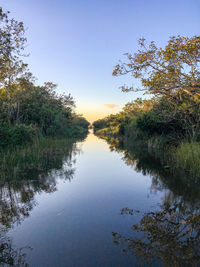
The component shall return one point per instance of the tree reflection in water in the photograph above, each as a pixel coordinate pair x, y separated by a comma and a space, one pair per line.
17, 196
152, 163
169, 236
10, 256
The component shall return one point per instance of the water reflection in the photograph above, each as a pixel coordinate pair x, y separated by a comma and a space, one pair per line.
151, 162
10, 256
169, 236
91, 206
36, 170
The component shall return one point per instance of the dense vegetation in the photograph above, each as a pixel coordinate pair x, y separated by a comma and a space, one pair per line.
28, 111
171, 115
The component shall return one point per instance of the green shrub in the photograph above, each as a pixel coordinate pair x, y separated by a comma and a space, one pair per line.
17, 134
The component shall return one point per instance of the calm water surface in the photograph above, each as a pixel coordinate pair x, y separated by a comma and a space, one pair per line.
74, 215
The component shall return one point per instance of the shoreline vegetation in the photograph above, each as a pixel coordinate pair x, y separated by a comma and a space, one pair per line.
38, 159
29, 112
175, 153
184, 156
169, 120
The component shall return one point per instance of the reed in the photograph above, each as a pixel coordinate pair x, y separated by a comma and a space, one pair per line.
30, 161
187, 156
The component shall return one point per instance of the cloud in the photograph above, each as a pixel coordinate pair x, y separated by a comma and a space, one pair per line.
110, 105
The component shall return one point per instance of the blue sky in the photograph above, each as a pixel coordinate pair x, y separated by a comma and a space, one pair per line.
76, 43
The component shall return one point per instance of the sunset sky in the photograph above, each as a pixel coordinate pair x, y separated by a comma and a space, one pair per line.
76, 43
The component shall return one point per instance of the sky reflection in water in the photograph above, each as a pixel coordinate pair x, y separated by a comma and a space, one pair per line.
72, 215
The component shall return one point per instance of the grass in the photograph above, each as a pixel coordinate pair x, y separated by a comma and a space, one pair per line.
29, 161
187, 156
184, 157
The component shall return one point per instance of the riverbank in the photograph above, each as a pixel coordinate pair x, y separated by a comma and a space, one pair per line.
184, 157
23, 162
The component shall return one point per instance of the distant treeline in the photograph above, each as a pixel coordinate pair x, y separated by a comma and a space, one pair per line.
152, 120
27, 110
171, 117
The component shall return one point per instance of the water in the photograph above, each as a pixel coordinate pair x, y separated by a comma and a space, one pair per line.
77, 214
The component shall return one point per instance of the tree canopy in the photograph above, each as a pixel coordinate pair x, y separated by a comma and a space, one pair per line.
171, 76
169, 71
27, 109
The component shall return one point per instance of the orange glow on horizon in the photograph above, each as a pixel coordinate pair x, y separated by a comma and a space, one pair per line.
92, 114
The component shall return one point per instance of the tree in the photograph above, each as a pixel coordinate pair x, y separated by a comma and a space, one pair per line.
138, 107
166, 72
12, 44
171, 73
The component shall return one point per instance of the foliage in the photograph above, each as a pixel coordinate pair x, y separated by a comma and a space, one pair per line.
171, 118
12, 44
26, 109
17, 134
172, 74
167, 72
80, 121
99, 124
38, 107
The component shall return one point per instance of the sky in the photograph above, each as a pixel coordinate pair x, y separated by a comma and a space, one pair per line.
77, 43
